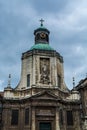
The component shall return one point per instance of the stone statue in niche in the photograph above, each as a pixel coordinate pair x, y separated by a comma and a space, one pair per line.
44, 70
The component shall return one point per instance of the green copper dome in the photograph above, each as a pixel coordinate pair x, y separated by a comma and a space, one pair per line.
41, 46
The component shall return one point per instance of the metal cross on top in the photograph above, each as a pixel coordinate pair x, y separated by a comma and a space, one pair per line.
41, 22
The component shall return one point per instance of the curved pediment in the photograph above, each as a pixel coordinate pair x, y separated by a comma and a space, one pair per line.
46, 95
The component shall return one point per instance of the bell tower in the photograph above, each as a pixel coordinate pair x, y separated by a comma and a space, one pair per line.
41, 34
42, 66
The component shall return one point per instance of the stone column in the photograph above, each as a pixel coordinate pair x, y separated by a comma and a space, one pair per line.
33, 119
57, 120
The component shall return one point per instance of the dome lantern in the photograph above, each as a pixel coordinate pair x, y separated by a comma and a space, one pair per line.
41, 34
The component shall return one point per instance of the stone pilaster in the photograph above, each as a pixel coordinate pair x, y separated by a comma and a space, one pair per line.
64, 121
77, 121
57, 120
21, 119
33, 119
33, 70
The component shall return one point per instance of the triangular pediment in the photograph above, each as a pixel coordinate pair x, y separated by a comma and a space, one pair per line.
45, 95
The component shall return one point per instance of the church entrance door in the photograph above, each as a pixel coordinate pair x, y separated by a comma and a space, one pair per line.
45, 126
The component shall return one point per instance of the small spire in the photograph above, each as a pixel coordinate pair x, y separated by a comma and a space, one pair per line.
41, 21
9, 80
86, 75
73, 82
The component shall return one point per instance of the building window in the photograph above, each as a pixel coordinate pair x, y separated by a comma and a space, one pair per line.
14, 117
28, 80
26, 116
59, 81
69, 118
61, 117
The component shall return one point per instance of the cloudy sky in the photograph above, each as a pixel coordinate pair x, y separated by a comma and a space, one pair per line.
67, 22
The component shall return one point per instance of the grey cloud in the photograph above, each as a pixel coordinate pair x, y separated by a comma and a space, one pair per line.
67, 21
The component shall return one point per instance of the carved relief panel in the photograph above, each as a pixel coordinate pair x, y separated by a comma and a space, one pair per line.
44, 70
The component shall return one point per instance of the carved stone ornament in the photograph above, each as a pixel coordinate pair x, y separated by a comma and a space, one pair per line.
44, 70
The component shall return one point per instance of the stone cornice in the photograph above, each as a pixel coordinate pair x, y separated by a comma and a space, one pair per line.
50, 53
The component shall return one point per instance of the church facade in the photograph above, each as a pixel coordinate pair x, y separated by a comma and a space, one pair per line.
41, 100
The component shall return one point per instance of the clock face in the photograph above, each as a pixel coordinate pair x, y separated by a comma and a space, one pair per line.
42, 35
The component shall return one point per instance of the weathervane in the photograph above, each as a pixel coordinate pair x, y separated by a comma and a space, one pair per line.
41, 21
